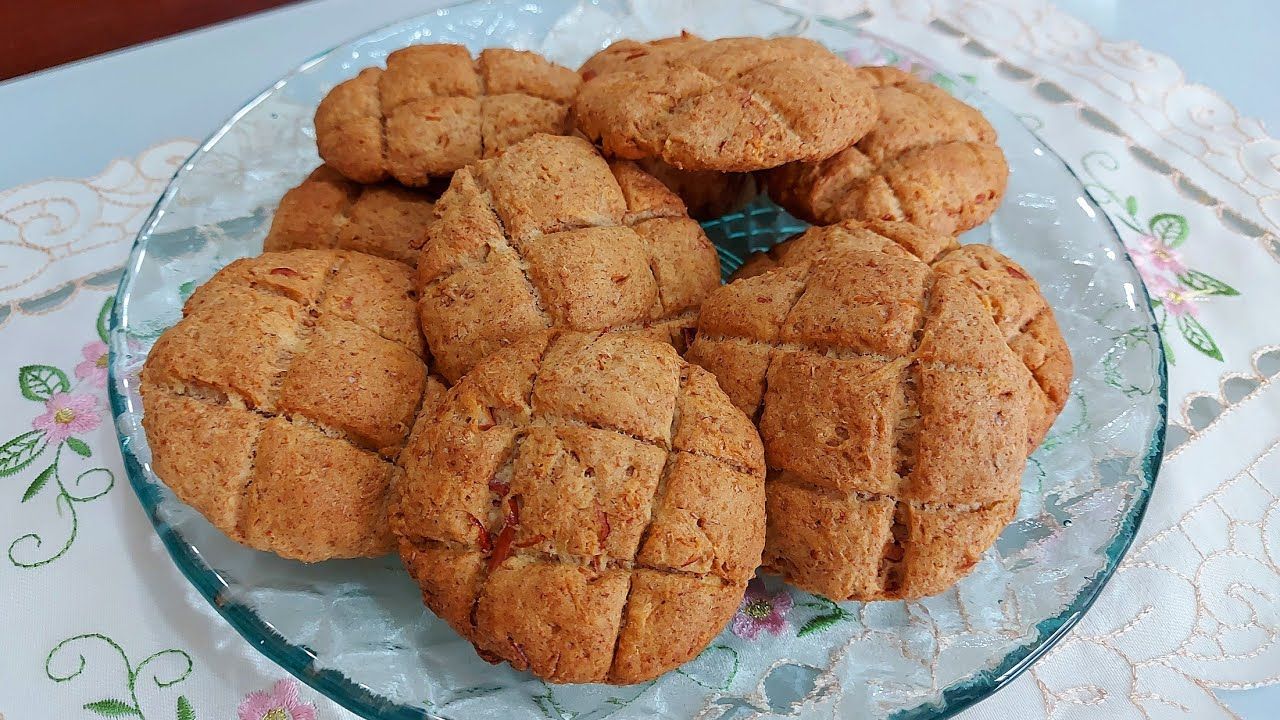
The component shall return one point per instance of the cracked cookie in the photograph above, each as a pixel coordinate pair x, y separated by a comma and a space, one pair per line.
328, 211
434, 110
547, 235
897, 401
930, 159
277, 406
587, 507
1007, 291
730, 105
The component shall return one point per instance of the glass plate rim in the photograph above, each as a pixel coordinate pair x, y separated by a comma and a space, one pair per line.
349, 694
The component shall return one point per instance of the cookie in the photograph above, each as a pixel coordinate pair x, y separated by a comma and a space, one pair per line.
930, 159
1008, 291
729, 105
434, 110
706, 193
550, 235
587, 507
327, 211
894, 238
895, 405
279, 402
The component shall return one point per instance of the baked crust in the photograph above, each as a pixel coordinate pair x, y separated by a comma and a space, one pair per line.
433, 110
551, 235
897, 400
930, 159
327, 211
729, 105
588, 507
279, 402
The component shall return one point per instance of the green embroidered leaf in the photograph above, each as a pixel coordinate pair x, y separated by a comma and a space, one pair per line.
822, 622
1170, 228
1206, 284
112, 708
79, 446
185, 712
41, 382
20, 451
185, 290
38, 484
1131, 205
104, 317
1198, 337
969, 78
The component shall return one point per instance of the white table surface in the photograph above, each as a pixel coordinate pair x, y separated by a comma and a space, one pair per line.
72, 120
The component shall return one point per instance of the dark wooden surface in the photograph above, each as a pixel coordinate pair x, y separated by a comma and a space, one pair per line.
36, 34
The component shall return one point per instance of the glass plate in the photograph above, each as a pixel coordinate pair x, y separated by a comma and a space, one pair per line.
357, 631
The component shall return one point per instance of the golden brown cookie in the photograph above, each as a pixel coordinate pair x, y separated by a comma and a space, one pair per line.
730, 105
588, 507
279, 402
434, 110
550, 235
707, 194
1008, 292
896, 413
894, 238
930, 159
328, 211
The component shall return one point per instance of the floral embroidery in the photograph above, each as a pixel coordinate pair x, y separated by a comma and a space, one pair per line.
829, 614
281, 702
68, 413
1176, 290
166, 668
761, 610
94, 366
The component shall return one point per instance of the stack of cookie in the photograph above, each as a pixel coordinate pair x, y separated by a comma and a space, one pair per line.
490, 379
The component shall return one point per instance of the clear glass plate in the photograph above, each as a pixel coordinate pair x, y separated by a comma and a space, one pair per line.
357, 631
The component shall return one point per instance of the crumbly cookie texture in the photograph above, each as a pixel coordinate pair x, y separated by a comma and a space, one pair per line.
587, 507
328, 211
930, 159
549, 234
1008, 292
730, 105
706, 193
898, 401
279, 402
434, 110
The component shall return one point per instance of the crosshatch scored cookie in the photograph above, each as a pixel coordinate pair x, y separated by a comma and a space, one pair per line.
733, 104
550, 235
1007, 291
279, 402
930, 159
588, 507
434, 110
897, 402
327, 211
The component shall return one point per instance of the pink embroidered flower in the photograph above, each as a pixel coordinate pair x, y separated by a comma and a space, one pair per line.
1157, 285
94, 366
1156, 255
66, 415
281, 702
761, 610
1179, 302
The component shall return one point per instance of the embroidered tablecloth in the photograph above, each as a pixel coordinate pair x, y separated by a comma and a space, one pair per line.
97, 622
